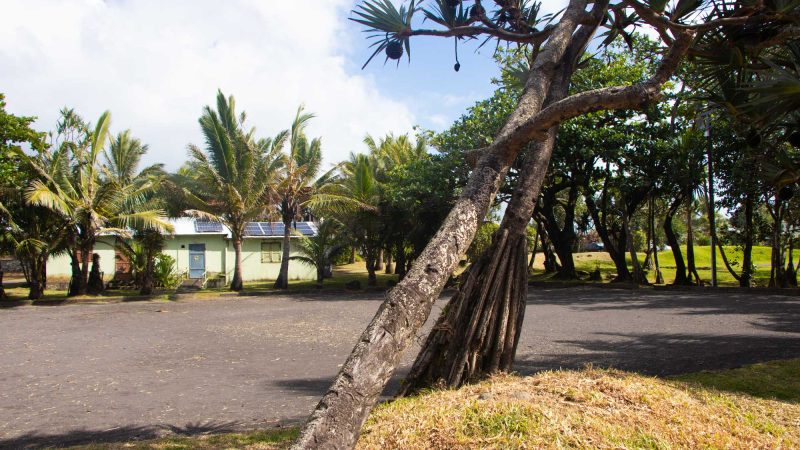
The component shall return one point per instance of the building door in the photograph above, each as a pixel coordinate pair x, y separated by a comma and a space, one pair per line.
197, 260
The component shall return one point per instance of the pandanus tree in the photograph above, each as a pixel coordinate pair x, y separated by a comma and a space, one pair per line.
233, 178
297, 183
76, 185
543, 104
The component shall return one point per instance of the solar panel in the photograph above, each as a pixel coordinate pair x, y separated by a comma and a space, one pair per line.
252, 229
274, 229
304, 228
207, 226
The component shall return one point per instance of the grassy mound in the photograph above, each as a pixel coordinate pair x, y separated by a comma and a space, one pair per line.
600, 409
755, 406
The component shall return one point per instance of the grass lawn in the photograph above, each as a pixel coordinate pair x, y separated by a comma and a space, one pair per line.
756, 406
589, 261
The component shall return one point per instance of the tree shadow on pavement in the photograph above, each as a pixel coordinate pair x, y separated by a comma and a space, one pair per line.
118, 434
662, 353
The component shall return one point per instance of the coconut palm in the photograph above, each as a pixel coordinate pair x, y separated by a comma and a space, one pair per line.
297, 182
354, 198
75, 186
319, 251
234, 176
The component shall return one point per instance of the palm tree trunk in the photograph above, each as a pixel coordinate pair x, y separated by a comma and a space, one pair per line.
75, 280
38, 276
148, 278
236, 283
283, 276
95, 284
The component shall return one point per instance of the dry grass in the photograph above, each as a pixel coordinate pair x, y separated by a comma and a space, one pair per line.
583, 409
754, 407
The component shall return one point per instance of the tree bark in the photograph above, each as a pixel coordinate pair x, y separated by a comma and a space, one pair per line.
389, 266
75, 280
479, 330
654, 236
148, 278
338, 418
236, 282
692, 269
95, 285
379, 261
283, 276
535, 248
747, 257
400, 265
38, 274
674, 244
638, 274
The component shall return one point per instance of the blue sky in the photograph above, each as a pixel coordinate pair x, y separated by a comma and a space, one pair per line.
155, 64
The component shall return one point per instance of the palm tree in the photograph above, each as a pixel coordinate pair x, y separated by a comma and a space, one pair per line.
75, 186
320, 250
123, 157
234, 176
300, 167
354, 197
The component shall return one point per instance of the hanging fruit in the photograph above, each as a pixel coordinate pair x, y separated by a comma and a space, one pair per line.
394, 50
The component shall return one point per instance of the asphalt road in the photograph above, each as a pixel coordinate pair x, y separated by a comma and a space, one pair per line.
106, 372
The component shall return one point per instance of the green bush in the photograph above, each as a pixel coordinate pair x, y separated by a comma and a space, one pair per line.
165, 272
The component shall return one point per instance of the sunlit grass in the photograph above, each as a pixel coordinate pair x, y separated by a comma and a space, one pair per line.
589, 261
594, 408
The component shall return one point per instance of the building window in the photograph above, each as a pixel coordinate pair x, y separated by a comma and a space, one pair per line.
271, 252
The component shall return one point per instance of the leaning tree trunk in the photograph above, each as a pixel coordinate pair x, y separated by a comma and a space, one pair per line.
479, 330
283, 276
337, 419
674, 244
236, 282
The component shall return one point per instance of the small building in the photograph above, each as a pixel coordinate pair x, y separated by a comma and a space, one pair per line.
204, 250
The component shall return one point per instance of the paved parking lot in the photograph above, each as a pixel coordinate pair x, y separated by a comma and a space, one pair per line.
110, 371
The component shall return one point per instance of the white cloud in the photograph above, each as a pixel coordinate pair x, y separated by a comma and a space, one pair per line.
155, 64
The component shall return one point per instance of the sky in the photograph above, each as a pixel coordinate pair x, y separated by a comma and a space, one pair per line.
156, 64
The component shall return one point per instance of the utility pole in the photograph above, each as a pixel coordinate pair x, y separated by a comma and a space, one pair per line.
712, 211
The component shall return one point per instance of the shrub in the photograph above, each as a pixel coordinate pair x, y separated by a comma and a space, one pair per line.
165, 272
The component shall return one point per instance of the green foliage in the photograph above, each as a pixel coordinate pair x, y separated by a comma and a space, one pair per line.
165, 272
482, 241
